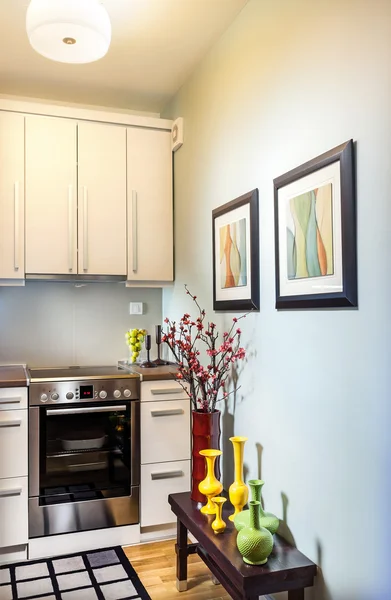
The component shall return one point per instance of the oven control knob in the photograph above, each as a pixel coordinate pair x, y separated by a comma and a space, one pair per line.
117, 394
55, 397
127, 393
44, 398
69, 395
102, 394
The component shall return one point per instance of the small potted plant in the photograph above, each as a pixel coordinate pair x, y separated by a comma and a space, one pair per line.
191, 341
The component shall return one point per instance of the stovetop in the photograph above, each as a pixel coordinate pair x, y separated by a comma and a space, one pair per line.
74, 373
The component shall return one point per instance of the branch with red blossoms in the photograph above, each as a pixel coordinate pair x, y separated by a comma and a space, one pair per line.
205, 383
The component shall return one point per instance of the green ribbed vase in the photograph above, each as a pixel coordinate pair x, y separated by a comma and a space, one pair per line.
254, 542
267, 519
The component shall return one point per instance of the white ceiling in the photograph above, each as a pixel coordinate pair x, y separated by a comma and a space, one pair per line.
155, 46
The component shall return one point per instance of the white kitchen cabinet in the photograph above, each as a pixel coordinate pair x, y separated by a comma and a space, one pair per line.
13, 469
165, 448
13, 443
157, 482
51, 196
13, 512
11, 196
13, 398
168, 425
102, 199
150, 206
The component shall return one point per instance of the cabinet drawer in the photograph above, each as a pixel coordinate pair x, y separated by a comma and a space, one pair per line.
157, 482
165, 431
13, 443
13, 398
153, 391
13, 512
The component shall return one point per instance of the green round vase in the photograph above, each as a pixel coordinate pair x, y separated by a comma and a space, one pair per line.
266, 519
254, 542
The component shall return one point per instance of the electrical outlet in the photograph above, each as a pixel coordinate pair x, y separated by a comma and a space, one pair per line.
136, 308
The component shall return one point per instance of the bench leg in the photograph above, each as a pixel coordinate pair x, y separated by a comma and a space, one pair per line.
181, 557
296, 594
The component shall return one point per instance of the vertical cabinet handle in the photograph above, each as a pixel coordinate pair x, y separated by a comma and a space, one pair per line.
134, 230
16, 225
70, 227
85, 228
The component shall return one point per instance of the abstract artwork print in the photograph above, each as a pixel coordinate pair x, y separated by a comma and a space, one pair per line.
310, 234
233, 259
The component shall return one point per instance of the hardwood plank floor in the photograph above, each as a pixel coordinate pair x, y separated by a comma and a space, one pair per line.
155, 565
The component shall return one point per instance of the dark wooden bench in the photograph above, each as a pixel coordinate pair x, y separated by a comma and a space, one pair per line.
287, 569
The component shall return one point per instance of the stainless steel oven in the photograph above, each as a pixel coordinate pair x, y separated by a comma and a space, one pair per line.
84, 449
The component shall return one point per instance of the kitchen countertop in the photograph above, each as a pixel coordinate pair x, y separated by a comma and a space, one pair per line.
167, 372
13, 376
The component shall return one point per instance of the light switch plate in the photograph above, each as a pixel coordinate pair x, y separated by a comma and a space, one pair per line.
136, 308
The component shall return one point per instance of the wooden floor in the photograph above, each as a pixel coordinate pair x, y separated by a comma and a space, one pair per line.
155, 565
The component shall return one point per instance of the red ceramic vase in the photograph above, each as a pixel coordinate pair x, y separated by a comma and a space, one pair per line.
206, 434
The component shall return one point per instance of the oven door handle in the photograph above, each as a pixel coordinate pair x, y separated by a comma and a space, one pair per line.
85, 410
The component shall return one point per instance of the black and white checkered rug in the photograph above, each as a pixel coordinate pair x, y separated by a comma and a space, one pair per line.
96, 575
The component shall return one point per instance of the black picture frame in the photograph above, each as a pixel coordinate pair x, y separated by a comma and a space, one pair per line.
251, 291
346, 219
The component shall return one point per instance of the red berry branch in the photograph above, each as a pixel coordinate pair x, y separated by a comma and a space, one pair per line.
205, 383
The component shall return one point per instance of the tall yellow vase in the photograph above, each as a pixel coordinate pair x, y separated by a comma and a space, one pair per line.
238, 491
210, 486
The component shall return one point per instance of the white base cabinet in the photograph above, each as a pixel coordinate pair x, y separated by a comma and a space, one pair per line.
13, 470
157, 482
13, 512
165, 449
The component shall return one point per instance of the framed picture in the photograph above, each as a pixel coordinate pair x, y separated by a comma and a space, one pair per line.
235, 228
315, 233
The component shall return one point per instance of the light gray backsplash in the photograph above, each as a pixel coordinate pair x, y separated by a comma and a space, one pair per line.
58, 324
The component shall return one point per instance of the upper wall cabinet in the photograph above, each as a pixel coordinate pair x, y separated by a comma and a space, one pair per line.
11, 196
51, 196
85, 198
75, 228
102, 199
150, 206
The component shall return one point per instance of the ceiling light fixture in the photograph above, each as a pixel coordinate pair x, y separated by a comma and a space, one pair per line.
69, 31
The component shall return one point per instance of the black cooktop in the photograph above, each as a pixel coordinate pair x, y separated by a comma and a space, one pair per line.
78, 372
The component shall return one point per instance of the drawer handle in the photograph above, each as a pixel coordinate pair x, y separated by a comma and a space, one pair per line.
15, 400
157, 391
166, 475
13, 423
11, 492
167, 413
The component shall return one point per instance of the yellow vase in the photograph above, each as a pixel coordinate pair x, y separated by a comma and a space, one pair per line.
238, 491
210, 486
218, 524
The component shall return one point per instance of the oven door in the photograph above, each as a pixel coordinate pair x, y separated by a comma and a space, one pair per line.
84, 466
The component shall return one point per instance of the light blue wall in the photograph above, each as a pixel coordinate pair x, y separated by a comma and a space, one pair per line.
288, 81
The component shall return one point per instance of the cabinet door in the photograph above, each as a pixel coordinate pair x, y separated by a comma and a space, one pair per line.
167, 424
51, 201
13, 512
102, 199
157, 482
150, 208
11, 196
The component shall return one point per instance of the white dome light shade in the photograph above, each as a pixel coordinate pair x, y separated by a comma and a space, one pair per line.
69, 31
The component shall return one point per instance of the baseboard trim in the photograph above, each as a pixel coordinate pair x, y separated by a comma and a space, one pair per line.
55, 545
